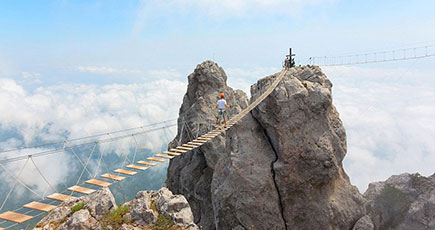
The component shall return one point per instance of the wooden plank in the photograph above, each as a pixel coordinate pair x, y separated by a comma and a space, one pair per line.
126, 172
59, 197
40, 206
137, 167
199, 141
79, 189
164, 156
184, 148
178, 150
191, 146
172, 153
204, 138
155, 159
15, 217
98, 183
147, 163
194, 143
112, 177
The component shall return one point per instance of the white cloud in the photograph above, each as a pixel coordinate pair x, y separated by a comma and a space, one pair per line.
31, 77
82, 110
105, 70
388, 116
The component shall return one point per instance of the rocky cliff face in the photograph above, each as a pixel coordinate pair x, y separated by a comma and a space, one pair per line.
406, 201
278, 168
149, 210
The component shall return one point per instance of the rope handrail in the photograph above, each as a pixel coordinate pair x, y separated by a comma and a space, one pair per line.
53, 151
86, 137
375, 57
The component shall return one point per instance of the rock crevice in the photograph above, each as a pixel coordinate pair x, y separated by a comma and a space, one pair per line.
281, 205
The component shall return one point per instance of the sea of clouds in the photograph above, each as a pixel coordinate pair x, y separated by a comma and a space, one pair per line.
388, 116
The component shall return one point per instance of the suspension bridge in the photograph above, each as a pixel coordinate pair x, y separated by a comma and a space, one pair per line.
87, 182
133, 166
375, 57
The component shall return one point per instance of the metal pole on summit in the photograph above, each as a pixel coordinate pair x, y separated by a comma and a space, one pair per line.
291, 59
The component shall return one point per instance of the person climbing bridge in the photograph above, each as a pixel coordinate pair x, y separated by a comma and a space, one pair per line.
221, 105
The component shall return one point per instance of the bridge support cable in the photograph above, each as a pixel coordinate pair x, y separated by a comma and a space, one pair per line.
21, 182
135, 150
181, 133
13, 186
43, 177
126, 156
81, 162
59, 158
189, 132
101, 156
85, 166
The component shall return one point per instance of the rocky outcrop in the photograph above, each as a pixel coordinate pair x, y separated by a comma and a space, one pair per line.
150, 209
406, 201
191, 174
278, 168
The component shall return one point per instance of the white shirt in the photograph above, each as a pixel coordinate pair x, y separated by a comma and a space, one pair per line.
221, 103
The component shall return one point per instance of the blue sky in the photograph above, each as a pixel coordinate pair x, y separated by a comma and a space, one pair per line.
54, 37
81, 63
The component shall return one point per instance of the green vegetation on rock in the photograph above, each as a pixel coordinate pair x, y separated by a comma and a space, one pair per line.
115, 218
163, 222
77, 207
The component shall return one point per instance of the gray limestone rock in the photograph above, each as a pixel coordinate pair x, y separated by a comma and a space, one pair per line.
81, 219
100, 203
405, 201
364, 223
278, 168
60, 213
143, 212
191, 173
309, 142
140, 209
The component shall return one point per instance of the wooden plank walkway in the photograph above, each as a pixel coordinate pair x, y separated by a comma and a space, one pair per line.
164, 156
155, 159
137, 167
126, 172
178, 150
98, 183
147, 163
59, 197
80, 189
112, 177
172, 153
40, 206
15, 217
